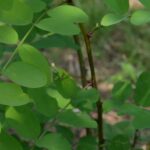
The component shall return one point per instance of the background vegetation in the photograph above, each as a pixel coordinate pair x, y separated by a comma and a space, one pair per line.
121, 54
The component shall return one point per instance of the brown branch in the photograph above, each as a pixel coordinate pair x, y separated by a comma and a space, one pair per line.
135, 139
81, 62
94, 84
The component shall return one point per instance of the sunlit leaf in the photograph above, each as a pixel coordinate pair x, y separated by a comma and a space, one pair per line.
19, 14
8, 35
111, 19
34, 57
26, 75
62, 102
12, 95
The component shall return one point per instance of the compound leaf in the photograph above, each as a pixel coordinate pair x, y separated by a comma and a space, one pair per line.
62, 22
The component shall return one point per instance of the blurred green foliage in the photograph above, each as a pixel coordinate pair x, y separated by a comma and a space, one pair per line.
125, 46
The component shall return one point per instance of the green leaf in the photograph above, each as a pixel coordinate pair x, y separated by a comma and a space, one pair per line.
119, 143
76, 119
92, 95
6, 5
145, 3
111, 19
121, 91
19, 14
62, 102
36, 5
12, 95
108, 105
26, 75
141, 119
56, 40
0, 127
88, 143
129, 71
140, 116
45, 104
86, 98
66, 132
8, 35
66, 86
24, 121
67, 25
53, 141
128, 109
140, 17
8, 142
22, 30
125, 109
34, 57
142, 91
76, 14
118, 6
48, 1
124, 128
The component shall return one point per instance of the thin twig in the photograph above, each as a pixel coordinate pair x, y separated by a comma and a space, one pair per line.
135, 139
94, 84
93, 80
95, 28
81, 63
